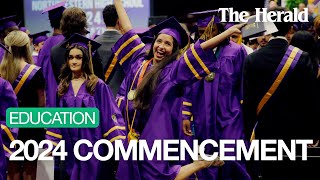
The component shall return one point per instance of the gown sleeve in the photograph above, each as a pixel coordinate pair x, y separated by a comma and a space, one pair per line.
187, 104
8, 99
127, 50
194, 64
111, 121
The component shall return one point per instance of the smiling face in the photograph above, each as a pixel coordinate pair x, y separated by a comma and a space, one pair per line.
75, 60
162, 47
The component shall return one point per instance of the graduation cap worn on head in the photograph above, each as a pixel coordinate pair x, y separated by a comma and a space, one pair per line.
24, 29
4, 47
204, 17
55, 11
8, 22
78, 39
39, 37
172, 27
81, 41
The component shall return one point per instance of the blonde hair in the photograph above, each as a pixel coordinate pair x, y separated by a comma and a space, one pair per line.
18, 43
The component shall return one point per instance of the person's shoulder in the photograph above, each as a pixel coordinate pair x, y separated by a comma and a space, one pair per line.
101, 82
54, 39
253, 54
3, 83
231, 49
101, 86
304, 57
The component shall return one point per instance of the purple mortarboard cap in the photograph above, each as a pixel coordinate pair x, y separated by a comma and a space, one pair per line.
24, 29
4, 47
7, 22
39, 37
204, 17
81, 41
87, 43
171, 27
145, 34
55, 11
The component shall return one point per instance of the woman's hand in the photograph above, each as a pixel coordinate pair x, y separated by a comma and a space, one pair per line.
214, 42
236, 28
215, 162
186, 127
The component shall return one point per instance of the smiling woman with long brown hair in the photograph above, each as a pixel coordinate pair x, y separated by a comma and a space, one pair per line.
152, 90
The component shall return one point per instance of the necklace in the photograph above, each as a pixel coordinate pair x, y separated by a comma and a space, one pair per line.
132, 135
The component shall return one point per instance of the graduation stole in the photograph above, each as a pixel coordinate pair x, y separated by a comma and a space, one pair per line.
26, 75
132, 135
286, 66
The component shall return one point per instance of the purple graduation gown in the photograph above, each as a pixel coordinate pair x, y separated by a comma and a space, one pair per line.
160, 121
216, 109
111, 127
44, 62
35, 59
8, 99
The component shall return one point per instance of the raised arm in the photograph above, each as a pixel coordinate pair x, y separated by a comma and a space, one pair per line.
213, 42
199, 60
123, 16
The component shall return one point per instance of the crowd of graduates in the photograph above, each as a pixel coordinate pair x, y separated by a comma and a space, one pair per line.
172, 81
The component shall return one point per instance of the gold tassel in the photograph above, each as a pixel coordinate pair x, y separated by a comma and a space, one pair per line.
208, 31
239, 40
184, 49
90, 57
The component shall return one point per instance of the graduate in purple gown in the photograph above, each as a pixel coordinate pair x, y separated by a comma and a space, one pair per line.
79, 87
8, 99
38, 40
214, 102
28, 83
54, 13
159, 90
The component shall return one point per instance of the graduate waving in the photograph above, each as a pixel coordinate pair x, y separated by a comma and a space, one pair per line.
156, 91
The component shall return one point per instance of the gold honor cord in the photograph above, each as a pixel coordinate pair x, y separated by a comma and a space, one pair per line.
90, 56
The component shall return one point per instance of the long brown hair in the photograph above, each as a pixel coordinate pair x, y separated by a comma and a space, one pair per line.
150, 81
66, 73
18, 43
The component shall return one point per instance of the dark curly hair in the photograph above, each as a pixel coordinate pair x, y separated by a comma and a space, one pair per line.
74, 20
110, 15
